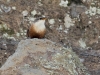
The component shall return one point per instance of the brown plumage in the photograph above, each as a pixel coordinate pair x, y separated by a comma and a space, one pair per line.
37, 29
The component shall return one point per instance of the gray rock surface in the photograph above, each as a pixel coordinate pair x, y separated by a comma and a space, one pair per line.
42, 57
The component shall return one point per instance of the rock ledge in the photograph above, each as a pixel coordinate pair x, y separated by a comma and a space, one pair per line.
42, 57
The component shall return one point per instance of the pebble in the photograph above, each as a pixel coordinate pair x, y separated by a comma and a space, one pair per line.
33, 12
5, 8
25, 13
14, 8
51, 21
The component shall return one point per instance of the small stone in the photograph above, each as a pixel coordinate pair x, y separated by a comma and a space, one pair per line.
60, 27
34, 12
14, 8
22, 33
25, 13
82, 43
11, 38
84, 0
89, 22
76, 10
81, 60
69, 55
86, 12
5, 53
66, 31
39, 3
63, 3
21, 30
59, 20
92, 11
8, 0
5, 35
25, 30
98, 11
68, 21
4, 44
5, 8
51, 21
17, 34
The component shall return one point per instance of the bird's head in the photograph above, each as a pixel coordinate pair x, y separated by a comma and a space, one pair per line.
40, 22
42, 18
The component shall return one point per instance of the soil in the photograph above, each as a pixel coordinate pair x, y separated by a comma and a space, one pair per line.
14, 19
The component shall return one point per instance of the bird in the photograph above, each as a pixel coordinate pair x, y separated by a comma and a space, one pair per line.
37, 29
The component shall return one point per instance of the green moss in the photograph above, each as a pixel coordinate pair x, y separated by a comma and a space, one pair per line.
5, 29
74, 1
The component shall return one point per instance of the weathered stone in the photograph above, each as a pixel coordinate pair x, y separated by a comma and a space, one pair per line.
76, 10
42, 57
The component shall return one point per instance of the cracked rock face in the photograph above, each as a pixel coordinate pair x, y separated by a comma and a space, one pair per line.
42, 57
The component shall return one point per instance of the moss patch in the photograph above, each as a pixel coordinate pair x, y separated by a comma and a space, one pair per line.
74, 1
5, 29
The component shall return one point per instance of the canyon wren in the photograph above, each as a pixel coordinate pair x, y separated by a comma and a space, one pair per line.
37, 29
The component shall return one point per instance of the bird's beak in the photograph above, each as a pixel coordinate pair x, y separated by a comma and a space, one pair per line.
44, 18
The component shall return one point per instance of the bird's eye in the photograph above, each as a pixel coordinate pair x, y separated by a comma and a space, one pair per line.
41, 18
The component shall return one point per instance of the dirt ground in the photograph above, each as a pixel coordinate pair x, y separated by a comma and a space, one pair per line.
13, 22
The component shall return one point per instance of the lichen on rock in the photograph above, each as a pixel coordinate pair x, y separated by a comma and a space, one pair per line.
36, 57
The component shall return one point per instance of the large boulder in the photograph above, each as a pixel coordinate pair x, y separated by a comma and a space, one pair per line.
42, 57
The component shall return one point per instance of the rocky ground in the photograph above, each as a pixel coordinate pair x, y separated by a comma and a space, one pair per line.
72, 23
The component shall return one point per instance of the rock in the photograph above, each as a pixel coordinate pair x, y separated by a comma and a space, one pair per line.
76, 10
34, 12
63, 3
14, 8
51, 21
25, 13
42, 57
87, 2
68, 21
5, 8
